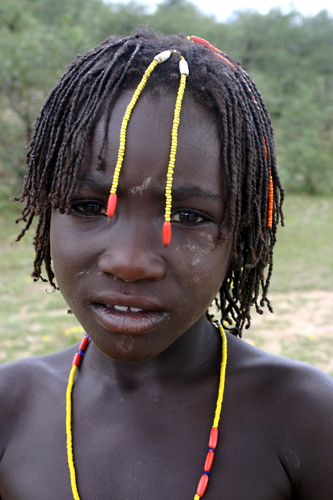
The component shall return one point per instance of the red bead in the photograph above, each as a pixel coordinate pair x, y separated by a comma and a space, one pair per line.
84, 343
112, 203
166, 233
200, 40
214, 434
77, 359
209, 461
202, 486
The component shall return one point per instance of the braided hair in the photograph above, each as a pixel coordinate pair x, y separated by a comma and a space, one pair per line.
90, 87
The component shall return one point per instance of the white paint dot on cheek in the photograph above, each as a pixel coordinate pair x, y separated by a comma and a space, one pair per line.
195, 262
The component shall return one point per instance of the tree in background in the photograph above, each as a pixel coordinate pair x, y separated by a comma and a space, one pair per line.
288, 55
290, 58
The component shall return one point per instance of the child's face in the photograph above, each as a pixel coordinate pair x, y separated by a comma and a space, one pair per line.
99, 265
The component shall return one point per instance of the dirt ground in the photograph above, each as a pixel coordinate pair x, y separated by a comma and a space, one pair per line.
301, 328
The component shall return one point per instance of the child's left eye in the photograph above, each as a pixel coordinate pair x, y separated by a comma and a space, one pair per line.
88, 208
187, 217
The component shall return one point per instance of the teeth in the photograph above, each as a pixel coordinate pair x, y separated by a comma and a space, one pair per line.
121, 308
127, 309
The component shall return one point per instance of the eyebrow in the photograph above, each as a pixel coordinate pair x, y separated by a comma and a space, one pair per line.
179, 193
93, 183
186, 192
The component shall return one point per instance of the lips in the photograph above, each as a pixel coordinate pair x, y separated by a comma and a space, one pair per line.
125, 316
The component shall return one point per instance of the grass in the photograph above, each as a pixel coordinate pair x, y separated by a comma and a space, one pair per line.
303, 259
34, 320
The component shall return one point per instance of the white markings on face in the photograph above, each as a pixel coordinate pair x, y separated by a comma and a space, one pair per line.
139, 189
199, 249
81, 273
195, 262
190, 247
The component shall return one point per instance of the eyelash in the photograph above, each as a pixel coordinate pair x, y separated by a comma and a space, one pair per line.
80, 208
203, 217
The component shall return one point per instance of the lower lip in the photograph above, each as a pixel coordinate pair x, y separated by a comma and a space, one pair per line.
131, 323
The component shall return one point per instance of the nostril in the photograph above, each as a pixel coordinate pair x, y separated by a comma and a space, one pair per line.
130, 266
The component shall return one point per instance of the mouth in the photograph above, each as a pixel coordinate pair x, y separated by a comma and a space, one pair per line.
125, 308
127, 319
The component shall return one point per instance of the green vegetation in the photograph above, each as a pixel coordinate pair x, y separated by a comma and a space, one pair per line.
289, 56
34, 320
303, 253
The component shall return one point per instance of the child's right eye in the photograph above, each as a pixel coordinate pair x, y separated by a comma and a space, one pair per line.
88, 208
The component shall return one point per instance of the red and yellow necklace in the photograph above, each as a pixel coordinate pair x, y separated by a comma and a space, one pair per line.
202, 486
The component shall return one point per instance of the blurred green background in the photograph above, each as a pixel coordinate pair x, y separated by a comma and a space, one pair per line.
289, 56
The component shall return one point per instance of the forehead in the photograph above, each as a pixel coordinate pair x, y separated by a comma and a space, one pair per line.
148, 140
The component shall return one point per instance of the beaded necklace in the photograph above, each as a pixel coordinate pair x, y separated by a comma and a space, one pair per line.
202, 486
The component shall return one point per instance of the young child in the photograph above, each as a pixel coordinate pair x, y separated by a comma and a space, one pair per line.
179, 133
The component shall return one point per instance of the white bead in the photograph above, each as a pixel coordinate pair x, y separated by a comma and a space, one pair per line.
183, 67
163, 56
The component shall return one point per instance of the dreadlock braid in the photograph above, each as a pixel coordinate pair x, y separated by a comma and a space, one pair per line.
90, 87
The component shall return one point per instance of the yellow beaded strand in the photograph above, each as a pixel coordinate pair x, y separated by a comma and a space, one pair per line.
124, 124
69, 433
173, 148
222, 376
221, 384
112, 202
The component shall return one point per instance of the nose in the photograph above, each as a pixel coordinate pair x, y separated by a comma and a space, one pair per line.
132, 253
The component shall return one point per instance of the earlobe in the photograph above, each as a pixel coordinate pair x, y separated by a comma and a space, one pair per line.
237, 261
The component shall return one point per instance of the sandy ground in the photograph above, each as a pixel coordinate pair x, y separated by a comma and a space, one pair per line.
301, 327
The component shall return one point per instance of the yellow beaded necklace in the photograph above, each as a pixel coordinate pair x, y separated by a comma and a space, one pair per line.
202, 486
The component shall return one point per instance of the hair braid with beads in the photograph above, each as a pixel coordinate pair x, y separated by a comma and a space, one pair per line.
90, 87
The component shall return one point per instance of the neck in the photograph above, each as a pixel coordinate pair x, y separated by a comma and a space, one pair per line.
196, 352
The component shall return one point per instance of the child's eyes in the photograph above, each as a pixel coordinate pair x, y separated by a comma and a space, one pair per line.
88, 208
188, 217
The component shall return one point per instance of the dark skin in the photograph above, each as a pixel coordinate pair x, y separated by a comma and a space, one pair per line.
144, 397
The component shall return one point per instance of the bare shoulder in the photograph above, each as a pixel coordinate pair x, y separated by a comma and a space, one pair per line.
23, 384
292, 384
16, 375
294, 404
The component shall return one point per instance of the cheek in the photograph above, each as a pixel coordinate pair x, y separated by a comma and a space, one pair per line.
69, 254
204, 264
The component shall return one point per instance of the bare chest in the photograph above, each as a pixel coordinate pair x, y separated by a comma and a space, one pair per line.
163, 460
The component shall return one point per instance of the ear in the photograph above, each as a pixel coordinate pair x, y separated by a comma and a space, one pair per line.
237, 260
